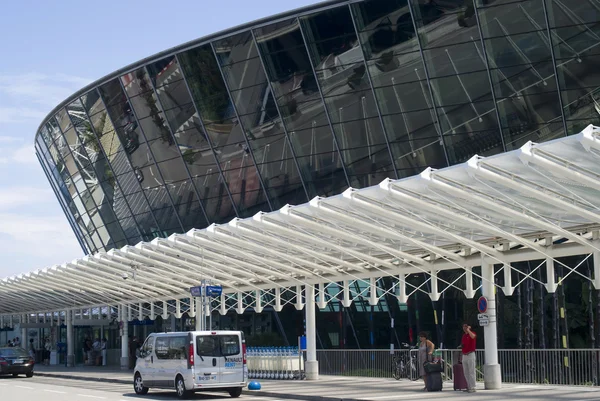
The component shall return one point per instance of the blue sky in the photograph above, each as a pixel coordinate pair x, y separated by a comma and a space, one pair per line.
49, 49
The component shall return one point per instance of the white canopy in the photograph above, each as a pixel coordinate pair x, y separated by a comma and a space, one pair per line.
537, 202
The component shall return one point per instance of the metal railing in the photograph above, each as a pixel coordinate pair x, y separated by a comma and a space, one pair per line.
580, 367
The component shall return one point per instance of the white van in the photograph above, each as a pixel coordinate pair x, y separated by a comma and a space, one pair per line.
192, 361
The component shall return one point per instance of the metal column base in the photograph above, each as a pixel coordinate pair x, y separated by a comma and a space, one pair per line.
70, 361
124, 363
312, 370
492, 378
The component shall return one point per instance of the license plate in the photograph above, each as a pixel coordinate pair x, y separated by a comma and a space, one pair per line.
18, 361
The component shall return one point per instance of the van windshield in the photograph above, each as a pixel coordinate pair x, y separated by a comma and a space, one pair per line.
218, 345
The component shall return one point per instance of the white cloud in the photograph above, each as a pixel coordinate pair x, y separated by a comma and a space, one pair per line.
11, 197
35, 240
20, 114
41, 88
25, 155
30, 96
10, 139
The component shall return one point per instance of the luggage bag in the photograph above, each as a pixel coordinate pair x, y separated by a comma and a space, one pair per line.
434, 381
458, 376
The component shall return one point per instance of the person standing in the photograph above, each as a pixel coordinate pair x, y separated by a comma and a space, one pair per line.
31, 349
47, 351
426, 348
468, 345
103, 349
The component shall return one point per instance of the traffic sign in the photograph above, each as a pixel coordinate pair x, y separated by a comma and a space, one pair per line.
484, 319
211, 291
196, 291
482, 304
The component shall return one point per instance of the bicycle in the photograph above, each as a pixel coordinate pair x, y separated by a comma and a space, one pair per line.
403, 367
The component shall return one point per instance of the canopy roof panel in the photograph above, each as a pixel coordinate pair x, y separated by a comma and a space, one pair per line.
505, 208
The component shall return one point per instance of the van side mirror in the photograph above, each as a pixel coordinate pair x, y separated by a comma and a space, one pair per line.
138, 353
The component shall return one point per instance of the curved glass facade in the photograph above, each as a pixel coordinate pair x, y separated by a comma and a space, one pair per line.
340, 95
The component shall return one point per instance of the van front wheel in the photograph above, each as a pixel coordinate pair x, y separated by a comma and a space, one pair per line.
182, 393
138, 385
235, 392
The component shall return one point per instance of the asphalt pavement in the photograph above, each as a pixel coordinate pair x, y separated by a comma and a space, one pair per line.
52, 389
118, 384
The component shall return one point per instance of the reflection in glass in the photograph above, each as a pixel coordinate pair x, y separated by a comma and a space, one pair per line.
522, 71
390, 45
151, 149
296, 93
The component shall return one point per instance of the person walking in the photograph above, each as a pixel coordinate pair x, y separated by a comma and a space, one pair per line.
426, 348
468, 345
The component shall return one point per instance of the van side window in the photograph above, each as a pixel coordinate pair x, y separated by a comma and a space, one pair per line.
207, 346
147, 347
230, 345
177, 348
161, 348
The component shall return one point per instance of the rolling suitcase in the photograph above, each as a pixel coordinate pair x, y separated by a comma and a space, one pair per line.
434, 381
458, 376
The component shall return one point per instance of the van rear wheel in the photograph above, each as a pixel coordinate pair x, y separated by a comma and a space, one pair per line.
182, 393
235, 392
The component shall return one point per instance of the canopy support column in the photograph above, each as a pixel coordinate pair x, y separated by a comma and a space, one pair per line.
312, 365
596, 270
24, 340
491, 369
70, 338
124, 326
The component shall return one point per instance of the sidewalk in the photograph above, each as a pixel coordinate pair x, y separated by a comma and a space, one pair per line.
343, 388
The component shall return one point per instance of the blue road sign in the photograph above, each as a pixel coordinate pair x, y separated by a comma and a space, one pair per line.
214, 290
482, 304
211, 291
196, 291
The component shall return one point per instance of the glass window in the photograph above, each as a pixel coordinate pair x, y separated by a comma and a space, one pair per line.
295, 91
206, 84
92, 102
178, 347
136, 82
148, 346
230, 345
387, 34
208, 346
161, 348
218, 345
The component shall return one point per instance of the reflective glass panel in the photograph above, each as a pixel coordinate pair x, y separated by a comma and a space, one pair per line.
517, 47
295, 88
338, 60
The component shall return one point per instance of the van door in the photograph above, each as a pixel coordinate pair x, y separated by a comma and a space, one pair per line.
161, 362
177, 359
145, 362
232, 358
207, 358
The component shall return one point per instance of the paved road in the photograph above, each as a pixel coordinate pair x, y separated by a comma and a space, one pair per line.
52, 389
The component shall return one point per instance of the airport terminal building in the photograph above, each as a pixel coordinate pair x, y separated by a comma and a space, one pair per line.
312, 102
